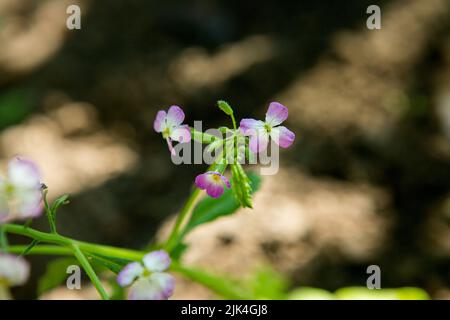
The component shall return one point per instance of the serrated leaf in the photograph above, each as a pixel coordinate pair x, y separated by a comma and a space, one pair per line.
209, 209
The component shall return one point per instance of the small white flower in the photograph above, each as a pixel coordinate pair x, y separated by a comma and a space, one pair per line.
147, 280
20, 191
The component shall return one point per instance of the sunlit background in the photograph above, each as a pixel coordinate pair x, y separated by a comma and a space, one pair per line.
367, 181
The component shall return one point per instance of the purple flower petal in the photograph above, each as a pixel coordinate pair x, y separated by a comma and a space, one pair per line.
250, 126
160, 121
175, 116
157, 261
165, 281
181, 134
24, 174
146, 289
129, 273
215, 190
282, 136
258, 142
276, 114
202, 181
14, 270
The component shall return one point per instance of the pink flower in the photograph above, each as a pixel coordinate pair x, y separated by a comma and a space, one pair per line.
170, 125
213, 182
260, 131
147, 279
20, 191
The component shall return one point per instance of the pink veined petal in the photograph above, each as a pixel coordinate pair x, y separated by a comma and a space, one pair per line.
203, 180
160, 121
181, 134
14, 270
169, 145
250, 126
23, 174
175, 116
146, 289
258, 142
157, 261
282, 136
225, 181
129, 273
215, 190
165, 281
276, 114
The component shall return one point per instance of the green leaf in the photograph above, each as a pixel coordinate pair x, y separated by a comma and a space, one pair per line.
209, 209
363, 293
102, 261
62, 200
55, 274
225, 107
308, 293
241, 186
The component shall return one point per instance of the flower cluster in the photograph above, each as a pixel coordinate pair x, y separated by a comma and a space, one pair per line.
258, 132
147, 279
20, 191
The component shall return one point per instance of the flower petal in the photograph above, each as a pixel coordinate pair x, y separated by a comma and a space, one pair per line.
181, 134
28, 203
259, 141
215, 190
24, 174
203, 180
250, 126
14, 270
175, 116
129, 273
165, 281
282, 136
276, 114
160, 121
146, 289
157, 261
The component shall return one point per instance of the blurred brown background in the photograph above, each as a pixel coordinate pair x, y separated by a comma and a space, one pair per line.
367, 181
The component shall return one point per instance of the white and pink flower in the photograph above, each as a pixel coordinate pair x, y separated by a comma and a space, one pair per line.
213, 182
260, 131
170, 125
20, 191
148, 280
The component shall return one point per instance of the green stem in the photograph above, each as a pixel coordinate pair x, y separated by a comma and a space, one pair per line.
3, 239
68, 242
188, 207
42, 250
90, 272
202, 137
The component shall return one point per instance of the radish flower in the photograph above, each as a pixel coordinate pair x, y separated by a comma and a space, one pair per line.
260, 131
213, 182
14, 271
170, 125
20, 191
147, 279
